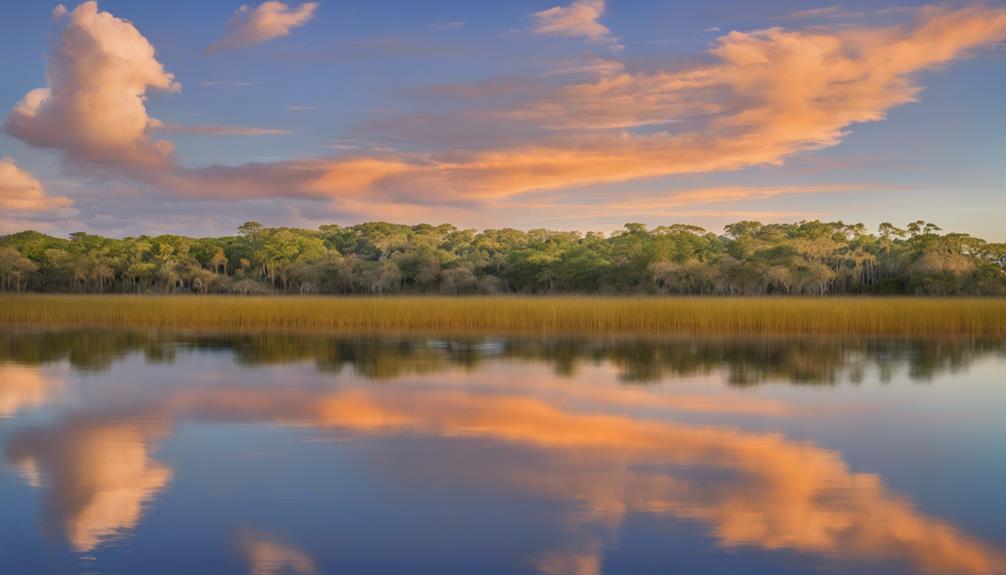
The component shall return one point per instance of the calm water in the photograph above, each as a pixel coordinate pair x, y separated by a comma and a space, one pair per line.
124, 452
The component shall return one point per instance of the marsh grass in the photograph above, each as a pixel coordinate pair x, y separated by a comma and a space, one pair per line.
863, 316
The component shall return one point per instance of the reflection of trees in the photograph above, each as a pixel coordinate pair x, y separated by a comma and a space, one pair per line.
85, 350
746, 361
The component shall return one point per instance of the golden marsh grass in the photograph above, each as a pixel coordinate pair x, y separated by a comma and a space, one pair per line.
859, 316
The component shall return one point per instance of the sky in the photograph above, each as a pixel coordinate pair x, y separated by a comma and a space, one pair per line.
124, 117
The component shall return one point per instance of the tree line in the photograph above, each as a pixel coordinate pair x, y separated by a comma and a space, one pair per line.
748, 258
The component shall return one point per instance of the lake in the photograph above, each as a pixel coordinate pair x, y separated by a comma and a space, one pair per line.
151, 452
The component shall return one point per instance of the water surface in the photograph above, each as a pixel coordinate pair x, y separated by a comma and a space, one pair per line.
144, 452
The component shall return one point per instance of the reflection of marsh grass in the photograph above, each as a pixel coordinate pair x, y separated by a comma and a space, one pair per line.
866, 316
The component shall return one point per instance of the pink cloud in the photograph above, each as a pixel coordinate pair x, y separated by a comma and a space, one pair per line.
581, 19
269, 21
764, 96
21, 192
93, 108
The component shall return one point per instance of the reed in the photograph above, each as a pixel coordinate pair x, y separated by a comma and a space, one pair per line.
866, 316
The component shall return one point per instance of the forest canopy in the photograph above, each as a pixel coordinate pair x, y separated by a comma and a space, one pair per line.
748, 258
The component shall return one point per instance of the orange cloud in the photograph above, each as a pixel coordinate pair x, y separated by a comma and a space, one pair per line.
269, 21
21, 192
773, 94
765, 96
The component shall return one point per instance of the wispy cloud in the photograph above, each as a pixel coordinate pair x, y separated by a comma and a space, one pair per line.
720, 204
301, 108
371, 48
218, 130
448, 25
760, 98
827, 12
591, 65
271, 20
581, 19
229, 83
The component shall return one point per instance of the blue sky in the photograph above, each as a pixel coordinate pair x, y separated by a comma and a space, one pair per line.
570, 115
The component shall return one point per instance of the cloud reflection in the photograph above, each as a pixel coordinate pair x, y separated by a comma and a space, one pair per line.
757, 490
267, 555
776, 494
24, 387
97, 473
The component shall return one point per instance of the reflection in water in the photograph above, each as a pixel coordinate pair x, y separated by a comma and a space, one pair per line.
776, 494
779, 494
98, 474
744, 361
24, 387
267, 555
748, 489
